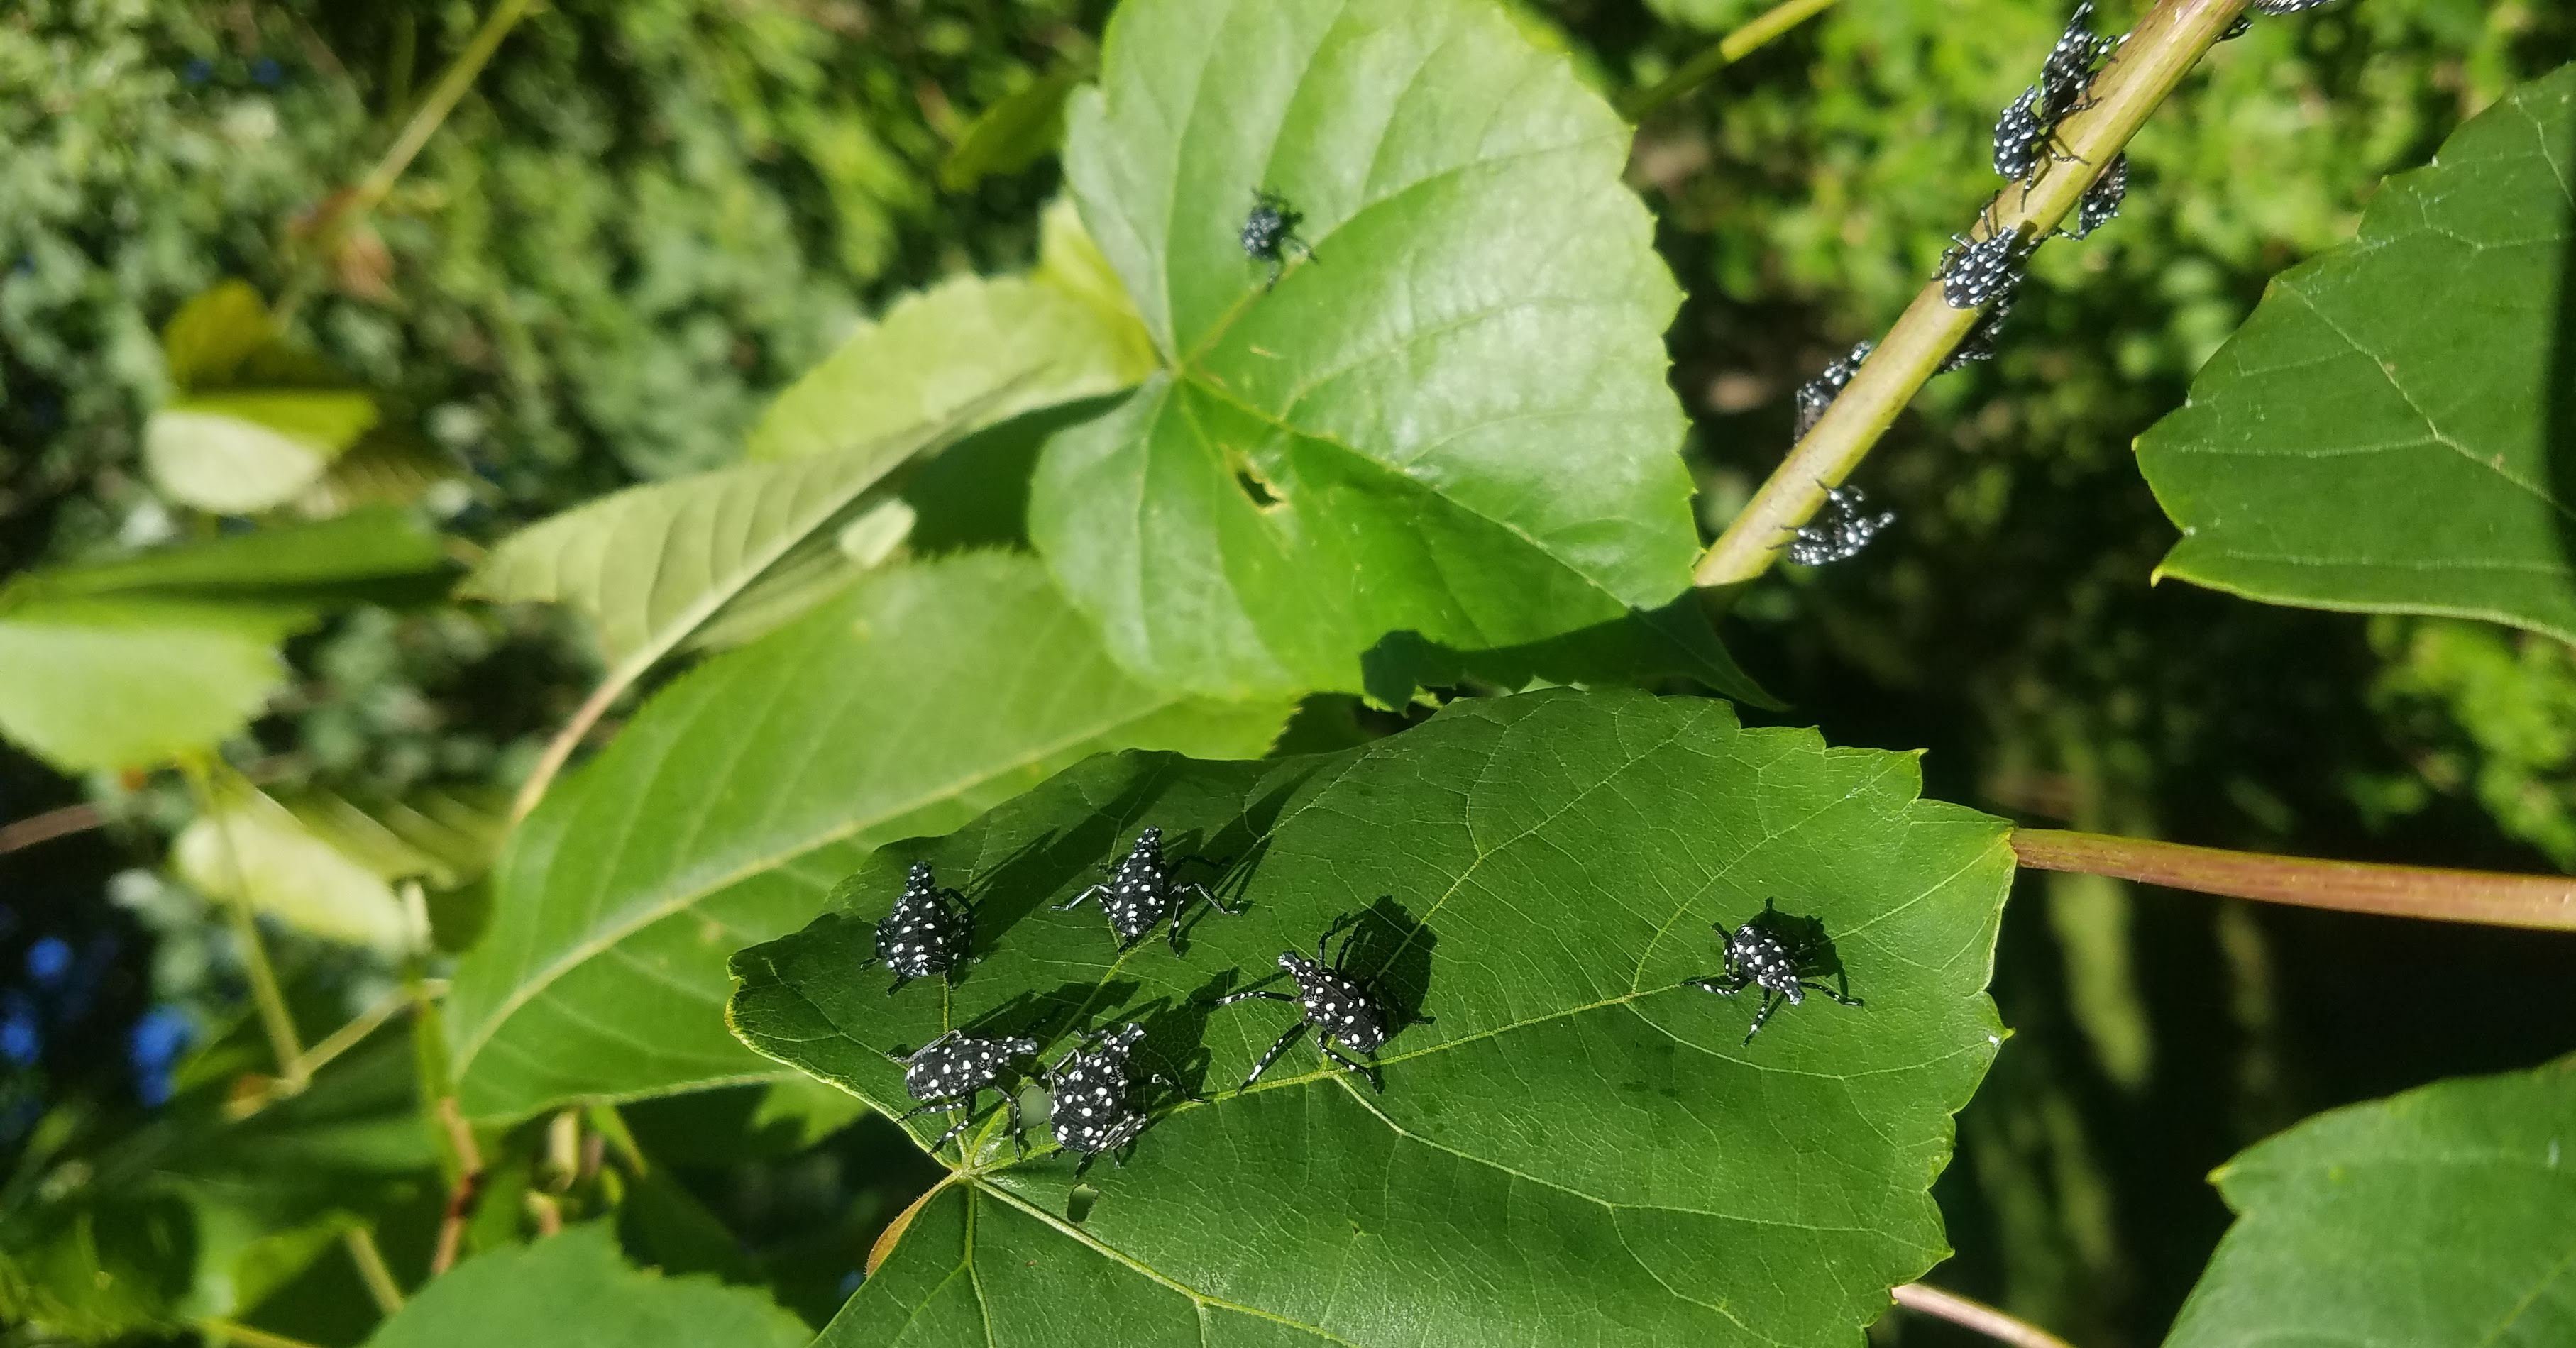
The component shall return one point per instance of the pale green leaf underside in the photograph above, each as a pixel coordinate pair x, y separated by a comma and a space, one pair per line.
575, 1290
1575, 1150
993, 346
2394, 428
651, 565
723, 813
1452, 421
2443, 1216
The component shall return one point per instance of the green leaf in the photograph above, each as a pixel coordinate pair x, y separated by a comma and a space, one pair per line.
2394, 428
132, 662
2446, 1215
256, 422
1452, 420
723, 813
1016, 132
1576, 1148
329, 866
575, 1290
652, 566
974, 349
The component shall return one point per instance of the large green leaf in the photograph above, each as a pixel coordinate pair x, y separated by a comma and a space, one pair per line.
2394, 430
726, 809
988, 348
1576, 1149
131, 662
329, 865
575, 1290
1451, 421
2444, 1216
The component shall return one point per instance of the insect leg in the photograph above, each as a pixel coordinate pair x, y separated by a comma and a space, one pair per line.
961, 1126
1724, 985
1077, 900
1275, 1050
898, 984
1813, 986
929, 1107
1087, 1158
1019, 1132
1366, 1071
1770, 1002
1209, 895
1247, 994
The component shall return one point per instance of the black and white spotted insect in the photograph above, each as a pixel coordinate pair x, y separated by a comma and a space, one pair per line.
947, 1073
927, 932
1819, 393
1340, 1008
2270, 8
2068, 72
1783, 967
1979, 344
2020, 135
1140, 891
2101, 201
1976, 271
1839, 531
1094, 1104
1269, 231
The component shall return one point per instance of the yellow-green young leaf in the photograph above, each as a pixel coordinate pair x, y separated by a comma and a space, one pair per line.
255, 423
976, 349
1450, 421
1021, 129
2443, 1216
575, 1290
1573, 1148
132, 662
725, 810
2394, 430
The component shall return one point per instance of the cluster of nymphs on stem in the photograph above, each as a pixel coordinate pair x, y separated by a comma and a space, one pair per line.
1097, 1101
1845, 526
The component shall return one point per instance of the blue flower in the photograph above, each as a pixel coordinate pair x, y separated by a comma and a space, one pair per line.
21, 1042
48, 960
198, 70
265, 71
152, 1046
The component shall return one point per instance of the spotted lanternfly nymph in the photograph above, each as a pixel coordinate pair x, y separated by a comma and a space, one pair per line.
1341, 1008
1979, 344
1140, 891
2068, 71
1840, 531
1819, 393
1784, 967
1094, 1105
2019, 136
927, 932
2101, 202
947, 1074
1269, 230
1975, 271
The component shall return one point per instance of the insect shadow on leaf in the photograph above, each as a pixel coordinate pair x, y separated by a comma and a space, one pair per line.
1784, 955
1347, 998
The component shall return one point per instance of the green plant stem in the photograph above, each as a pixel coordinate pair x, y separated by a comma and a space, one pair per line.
372, 1269
248, 1337
1976, 1315
344, 212
2543, 902
264, 991
1727, 50
2163, 48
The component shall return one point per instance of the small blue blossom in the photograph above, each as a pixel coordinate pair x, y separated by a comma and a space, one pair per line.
48, 960
265, 72
152, 1046
198, 70
21, 1040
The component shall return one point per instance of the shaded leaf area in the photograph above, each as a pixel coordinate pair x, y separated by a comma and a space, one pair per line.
2446, 1215
1571, 1148
255, 421
131, 662
1451, 419
2394, 430
576, 1290
727, 808
196, 1214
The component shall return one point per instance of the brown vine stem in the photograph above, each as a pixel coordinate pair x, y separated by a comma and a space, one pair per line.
464, 1194
2542, 902
2163, 48
1725, 52
1976, 1315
